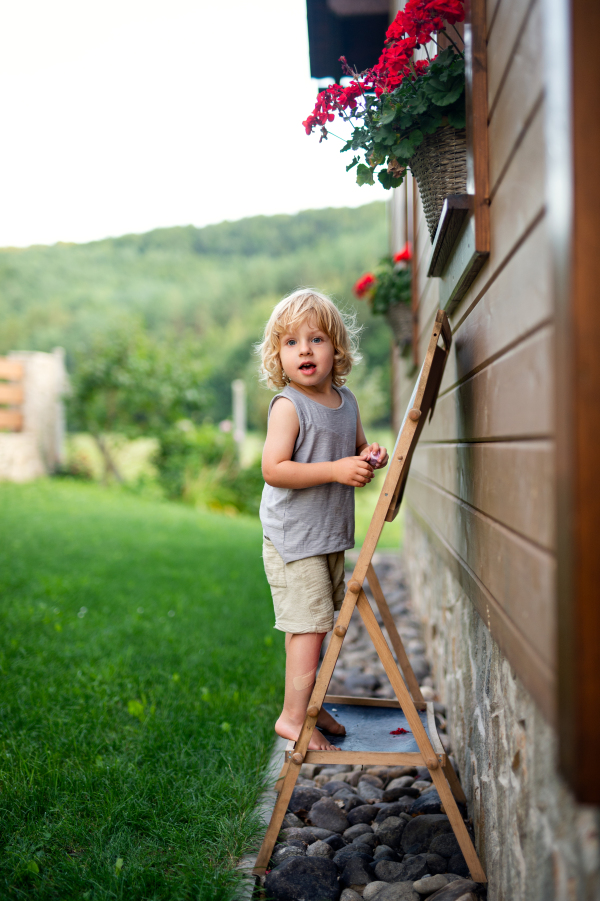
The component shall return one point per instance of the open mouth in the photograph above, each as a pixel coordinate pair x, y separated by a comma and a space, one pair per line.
308, 368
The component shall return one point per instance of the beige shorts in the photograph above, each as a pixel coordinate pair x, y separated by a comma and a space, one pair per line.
305, 592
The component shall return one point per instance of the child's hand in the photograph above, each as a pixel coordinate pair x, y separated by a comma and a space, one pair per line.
354, 471
375, 455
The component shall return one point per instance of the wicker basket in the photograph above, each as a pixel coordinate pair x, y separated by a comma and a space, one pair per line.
400, 319
440, 168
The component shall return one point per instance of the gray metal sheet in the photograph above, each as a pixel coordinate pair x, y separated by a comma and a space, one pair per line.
369, 728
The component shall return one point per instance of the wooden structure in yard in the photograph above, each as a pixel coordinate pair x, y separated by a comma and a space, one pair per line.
422, 746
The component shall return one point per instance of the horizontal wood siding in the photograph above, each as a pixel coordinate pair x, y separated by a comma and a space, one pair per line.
483, 478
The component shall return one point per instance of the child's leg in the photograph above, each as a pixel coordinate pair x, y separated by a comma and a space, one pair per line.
301, 666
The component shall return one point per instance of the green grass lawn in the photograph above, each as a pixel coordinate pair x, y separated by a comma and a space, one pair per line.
140, 681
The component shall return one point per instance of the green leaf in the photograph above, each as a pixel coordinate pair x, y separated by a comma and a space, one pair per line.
388, 181
119, 866
457, 118
404, 150
364, 175
352, 164
32, 867
445, 99
387, 118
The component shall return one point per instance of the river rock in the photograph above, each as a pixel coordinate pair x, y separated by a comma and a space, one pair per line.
284, 851
366, 813
349, 801
384, 852
356, 830
336, 841
303, 798
390, 832
412, 869
394, 794
336, 785
395, 809
430, 884
399, 891
387, 870
368, 839
420, 832
290, 819
369, 792
457, 864
342, 856
459, 890
436, 863
401, 782
446, 845
372, 888
356, 874
372, 779
327, 815
320, 849
303, 878
301, 835
350, 895
428, 803
423, 774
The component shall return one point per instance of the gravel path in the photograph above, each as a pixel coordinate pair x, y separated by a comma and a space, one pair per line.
376, 833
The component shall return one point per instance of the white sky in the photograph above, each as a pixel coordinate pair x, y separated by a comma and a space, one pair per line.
125, 115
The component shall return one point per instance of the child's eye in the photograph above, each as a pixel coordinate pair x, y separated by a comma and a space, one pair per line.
291, 342
318, 340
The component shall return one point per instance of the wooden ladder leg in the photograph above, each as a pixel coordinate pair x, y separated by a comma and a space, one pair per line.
279, 811
456, 787
397, 644
425, 747
458, 826
279, 781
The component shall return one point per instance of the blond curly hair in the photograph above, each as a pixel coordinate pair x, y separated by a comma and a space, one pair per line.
303, 304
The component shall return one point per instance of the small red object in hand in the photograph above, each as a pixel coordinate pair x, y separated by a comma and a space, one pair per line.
400, 732
373, 459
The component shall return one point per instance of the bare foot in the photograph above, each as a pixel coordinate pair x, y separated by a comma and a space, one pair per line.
331, 725
287, 729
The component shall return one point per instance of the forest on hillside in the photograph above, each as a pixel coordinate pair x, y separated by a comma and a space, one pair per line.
212, 287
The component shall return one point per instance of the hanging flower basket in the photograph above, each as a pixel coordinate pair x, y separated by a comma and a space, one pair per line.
407, 113
440, 168
388, 293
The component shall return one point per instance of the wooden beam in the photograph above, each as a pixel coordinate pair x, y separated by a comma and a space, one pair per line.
11, 394
12, 370
11, 420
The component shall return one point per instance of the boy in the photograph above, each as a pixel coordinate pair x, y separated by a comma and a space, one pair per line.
314, 457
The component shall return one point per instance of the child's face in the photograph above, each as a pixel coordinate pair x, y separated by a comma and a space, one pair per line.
306, 353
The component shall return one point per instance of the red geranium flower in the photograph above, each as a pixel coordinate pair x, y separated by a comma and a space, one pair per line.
404, 255
364, 284
400, 732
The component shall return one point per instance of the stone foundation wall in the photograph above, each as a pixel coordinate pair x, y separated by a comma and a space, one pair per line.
536, 843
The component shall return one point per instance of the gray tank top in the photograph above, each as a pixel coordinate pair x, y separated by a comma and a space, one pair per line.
305, 522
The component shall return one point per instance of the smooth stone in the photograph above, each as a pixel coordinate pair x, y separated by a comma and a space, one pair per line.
290, 820
301, 835
285, 851
420, 832
320, 849
388, 870
335, 841
304, 798
368, 682
401, 782
372, 888
384, 852
327, 815
436, 863
349, 800
368, 839
423, 773
382, 772
421, 784
366, 813
369, 792
342, 856
300, 878
336, 785
428, 803
457, 864
356, 830
396, 772
390, 832
459, 890
310, 770
395, 809
412, 869
430, 884
399, 891
356, 874
394, 794
373, 780
446, 845
350, 895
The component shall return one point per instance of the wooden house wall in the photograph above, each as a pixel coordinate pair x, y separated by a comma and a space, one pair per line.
482, 480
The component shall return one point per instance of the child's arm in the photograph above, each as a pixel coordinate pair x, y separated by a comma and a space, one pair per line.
280, 471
